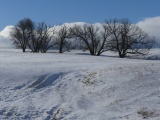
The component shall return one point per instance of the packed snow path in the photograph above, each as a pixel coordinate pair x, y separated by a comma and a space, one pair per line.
75, 86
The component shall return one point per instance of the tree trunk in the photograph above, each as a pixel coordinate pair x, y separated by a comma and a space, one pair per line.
60, 49
91, 52
24, 50
61, 46
121, 55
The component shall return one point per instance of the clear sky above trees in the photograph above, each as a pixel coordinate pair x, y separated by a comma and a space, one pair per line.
60, 11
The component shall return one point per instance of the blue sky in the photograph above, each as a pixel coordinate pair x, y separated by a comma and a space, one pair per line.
55, 12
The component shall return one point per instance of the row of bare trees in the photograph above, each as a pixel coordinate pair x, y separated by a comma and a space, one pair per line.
127, 38
39, 37
93, 39
117, 35
28, 34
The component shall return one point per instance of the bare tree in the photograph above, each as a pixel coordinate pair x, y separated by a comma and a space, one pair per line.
41, 38
92, 38
62, 35
35, 42
44, 37
127, 38
22, 33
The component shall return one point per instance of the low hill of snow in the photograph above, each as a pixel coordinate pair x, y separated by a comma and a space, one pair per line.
77, 86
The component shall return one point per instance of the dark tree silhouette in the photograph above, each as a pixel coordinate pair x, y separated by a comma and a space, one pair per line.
45, 33
22, 33
92, 38
41, 39
62, 35
127, 38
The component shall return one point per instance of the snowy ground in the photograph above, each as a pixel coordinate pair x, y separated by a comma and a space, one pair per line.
77, 86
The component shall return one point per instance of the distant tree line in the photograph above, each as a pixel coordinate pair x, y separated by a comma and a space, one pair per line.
118, 35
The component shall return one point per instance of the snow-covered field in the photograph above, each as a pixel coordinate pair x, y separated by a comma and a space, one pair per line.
77, 86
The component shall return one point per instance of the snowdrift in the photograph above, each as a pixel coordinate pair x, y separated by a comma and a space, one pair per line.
77, 86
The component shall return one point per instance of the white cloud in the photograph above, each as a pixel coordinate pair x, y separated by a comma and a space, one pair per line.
151, 26
6, 31
69, 25
5, 37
